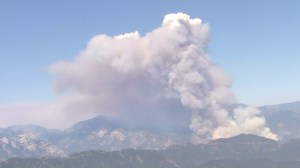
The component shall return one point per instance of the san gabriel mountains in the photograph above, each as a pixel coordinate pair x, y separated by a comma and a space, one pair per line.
107, 134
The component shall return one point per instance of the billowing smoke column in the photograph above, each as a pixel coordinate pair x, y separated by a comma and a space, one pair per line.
129, 74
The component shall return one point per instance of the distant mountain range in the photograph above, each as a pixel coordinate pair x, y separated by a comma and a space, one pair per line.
109, 134
97, 133
283, 119
246, 151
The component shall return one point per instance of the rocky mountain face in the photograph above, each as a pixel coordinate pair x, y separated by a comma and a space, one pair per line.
28, 146
109, 134
27, 141
97, 133
240, 151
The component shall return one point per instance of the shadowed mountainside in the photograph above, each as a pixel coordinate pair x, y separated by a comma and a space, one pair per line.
240, 151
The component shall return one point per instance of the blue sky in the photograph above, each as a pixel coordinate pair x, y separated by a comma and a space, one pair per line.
255, 42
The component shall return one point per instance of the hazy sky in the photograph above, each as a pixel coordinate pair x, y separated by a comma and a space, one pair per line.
255, 42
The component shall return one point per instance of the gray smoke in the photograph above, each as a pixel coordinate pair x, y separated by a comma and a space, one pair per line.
155, 77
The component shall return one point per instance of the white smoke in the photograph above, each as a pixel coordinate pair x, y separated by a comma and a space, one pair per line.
159, 74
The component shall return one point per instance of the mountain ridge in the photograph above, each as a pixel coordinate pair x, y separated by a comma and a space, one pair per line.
181, 156
109, 133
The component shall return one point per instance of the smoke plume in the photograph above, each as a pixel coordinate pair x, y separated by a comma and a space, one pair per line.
157, 77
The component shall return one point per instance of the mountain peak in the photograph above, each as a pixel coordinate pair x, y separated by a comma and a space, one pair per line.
283, 106
20, 129
94, 123
244, 138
